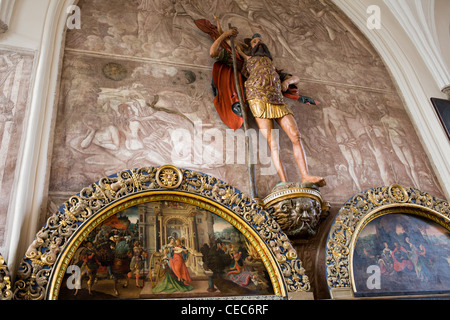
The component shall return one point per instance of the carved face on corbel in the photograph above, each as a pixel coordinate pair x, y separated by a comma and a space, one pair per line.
298, 216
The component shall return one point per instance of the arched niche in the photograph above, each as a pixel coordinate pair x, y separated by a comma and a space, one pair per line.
44, 268
379, 241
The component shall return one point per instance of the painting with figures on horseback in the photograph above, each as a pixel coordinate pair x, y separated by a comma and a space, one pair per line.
165, 250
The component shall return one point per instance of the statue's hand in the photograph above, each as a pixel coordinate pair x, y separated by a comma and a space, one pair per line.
232, 33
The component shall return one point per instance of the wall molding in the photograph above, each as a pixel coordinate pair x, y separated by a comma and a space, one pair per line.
417, 19
33, 162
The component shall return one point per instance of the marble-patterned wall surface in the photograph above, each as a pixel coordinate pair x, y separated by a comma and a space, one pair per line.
139, 71
15, 76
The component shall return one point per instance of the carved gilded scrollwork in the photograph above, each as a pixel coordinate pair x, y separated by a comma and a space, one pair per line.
5, 281
42, 255
359, 210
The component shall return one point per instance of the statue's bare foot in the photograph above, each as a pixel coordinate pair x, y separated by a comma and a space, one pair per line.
319, 181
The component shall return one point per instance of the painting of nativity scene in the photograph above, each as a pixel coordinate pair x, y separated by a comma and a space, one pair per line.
165, 250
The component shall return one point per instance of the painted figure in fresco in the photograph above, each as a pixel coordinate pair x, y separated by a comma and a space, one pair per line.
155, 20
8, 66
335, 121
265, 89
400, 144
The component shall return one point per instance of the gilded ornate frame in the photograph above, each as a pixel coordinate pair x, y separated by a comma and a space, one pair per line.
357, 213
46, 261
5, 281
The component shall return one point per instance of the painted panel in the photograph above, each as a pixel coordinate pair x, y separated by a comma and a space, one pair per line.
165, 250
400, 254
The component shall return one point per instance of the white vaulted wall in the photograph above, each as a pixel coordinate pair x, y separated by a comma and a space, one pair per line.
419, 69
37, 25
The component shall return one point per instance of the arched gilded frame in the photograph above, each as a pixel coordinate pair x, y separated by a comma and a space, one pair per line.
45, 263
5, 281
358, 213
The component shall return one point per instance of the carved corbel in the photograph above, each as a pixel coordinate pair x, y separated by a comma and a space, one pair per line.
298, 208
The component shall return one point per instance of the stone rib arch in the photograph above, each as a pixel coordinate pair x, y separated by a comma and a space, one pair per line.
41, 271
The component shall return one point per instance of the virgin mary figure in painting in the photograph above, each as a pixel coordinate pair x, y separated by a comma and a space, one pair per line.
178, 262
172, 282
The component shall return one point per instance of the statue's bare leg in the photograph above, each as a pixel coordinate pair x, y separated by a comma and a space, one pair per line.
289, 125
266, 126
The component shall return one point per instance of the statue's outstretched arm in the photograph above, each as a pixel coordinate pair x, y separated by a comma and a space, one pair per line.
215, 48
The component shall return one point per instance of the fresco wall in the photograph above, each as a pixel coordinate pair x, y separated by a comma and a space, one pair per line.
137, 72
15, 77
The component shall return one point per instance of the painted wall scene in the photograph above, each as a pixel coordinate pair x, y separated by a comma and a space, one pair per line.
136, 91
410, 254
165, 250
15, 79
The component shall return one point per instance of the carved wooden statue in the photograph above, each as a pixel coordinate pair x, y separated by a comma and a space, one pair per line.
265, 89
